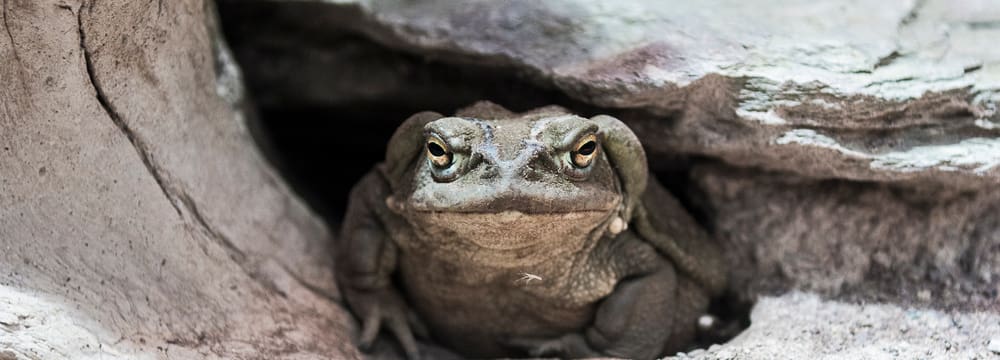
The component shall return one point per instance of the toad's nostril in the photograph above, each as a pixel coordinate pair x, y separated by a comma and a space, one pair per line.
488, 171
536, 156
533, 173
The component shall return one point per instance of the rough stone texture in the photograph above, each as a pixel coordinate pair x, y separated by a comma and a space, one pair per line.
796, 326
295, 58
137, 217
847, 89
927, 247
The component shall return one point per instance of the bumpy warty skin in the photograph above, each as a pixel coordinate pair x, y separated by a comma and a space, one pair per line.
539, 233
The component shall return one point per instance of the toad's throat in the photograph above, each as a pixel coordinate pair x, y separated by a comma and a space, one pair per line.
513, 230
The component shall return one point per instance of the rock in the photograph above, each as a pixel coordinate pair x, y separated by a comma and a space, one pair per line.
994, 345
724, 355
291, 63
908, 92
138, 219
845, 330
786, 231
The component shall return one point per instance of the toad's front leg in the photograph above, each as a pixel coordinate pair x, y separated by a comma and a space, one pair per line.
366, 261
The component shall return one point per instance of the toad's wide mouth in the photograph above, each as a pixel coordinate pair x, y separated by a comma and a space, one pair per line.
508, 208
508, 198
510, 229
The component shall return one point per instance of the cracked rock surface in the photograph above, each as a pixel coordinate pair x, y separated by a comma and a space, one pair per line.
861, 90
138, 219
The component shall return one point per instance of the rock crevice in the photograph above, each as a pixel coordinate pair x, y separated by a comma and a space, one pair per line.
140, 148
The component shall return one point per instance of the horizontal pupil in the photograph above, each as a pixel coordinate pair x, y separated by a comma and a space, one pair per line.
587, 148
435, 149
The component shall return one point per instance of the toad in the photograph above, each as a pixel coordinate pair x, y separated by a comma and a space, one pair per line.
502, 234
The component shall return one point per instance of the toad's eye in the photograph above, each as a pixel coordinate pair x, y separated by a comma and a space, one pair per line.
438, 153
585, 151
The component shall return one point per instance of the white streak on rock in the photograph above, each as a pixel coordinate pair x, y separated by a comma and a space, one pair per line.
980, 154
810, 137
986, 124
767, 118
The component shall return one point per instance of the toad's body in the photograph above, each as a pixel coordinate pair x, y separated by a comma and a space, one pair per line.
532, 231
452, 295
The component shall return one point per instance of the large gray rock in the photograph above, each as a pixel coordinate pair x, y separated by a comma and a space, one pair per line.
848, 89
137, 217
911, 246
